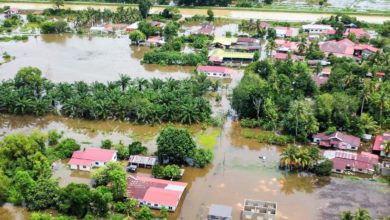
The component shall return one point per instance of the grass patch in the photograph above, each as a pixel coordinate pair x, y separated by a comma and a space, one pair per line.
208, 139
86, 142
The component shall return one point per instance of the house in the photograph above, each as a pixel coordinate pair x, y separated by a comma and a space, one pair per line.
379, 144
133, 26
219, 212
285, 46
91, 157
220, 57
216, 71
359, 32
380, 74
347, 48
154, 41
224, 42
206, 29
337, 140
142, 161
319, 80
316, 28
247, 44
101, 29
344, 161
284, 56
285, 32
265, 25
256, 209
11, 11
155, 193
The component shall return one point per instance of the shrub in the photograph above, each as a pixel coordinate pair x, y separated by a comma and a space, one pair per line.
66, 148
167, 172
202, 157
53, 136
106, 144
324, 168
136, 148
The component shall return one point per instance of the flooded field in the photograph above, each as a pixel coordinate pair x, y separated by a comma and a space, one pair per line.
238, 14
97, 58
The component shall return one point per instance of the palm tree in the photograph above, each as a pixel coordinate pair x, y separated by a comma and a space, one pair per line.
386, 147
302, 46
289, 157
367, 91
124, 81
362, 214
270, 47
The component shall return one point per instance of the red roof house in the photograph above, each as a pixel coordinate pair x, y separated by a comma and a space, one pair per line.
379, 144
206, 29
216, 71
347, 48
352, 162
155, 193
284, 32
91, 157
359, 32
265, 25
337, 140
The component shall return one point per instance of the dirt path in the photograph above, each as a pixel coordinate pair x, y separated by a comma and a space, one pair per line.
235, 14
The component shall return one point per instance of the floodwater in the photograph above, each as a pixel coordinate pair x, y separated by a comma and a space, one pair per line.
235, 174
97, 59
230, 13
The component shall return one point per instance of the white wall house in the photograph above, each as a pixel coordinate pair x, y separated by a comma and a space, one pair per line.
91, 157
316, 28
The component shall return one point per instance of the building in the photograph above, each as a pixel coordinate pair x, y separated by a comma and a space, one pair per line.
154, 41
142, 161
206, 29
155, 193
223, 57
337, 140
359, 32
316, 28
101, 29
285, 46
265, 25
322, 77
256, 209
133, 26
224, 42
11, 11
219, 212
216, 71
284, 32
379, 144
347, 48
91, 157
344, 161
237, 44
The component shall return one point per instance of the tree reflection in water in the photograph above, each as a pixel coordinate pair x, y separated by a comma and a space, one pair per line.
301, 182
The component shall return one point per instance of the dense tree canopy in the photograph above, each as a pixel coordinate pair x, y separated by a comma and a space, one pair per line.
144, 101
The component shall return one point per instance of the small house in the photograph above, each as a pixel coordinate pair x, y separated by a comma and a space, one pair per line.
132, 27
155, 193
223, 57
337, 140
155, 41
257, 209
206, 29
91, 157
265, 25
101, 29
219, 212
379, 144
316, 28
142, 161
285, 32
215, 71
359, 32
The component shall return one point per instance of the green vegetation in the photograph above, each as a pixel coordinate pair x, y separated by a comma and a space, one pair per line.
171, 172
54, 27
209, 140
114, 175
176, 146
14, 38
66, 148
360, 214
137, 100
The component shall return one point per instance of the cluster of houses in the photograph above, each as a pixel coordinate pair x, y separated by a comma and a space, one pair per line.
343, 149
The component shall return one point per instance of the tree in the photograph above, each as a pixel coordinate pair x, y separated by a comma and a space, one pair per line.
53, 137
66, 148
268, 2
386, 148
144, 214
75, 199
100, 199
256, 56
58, 3
324, 168
170, 31
171, 172
136, 148
42, 195
210, 15
144, 7
106, 144
202, 157
175, 145
21, 184
289, 157
137, 36
347, 215
114, 175
4, 186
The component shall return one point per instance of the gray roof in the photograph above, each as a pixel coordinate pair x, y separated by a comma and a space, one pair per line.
220, 211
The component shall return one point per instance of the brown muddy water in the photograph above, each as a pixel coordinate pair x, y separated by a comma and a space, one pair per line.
235, 174
97, 58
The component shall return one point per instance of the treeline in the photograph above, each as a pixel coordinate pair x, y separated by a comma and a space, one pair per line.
139, 100
283, 97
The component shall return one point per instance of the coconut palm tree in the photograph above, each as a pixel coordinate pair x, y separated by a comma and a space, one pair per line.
289, 157
124, 81
362, 214
347, 215
270, 47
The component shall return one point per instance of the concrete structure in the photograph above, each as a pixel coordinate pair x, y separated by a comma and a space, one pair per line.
379, 144
316, 28
216, 71
155, 193
337, 140
142, 161
385, 168
352, 162
91, 157
256, 210
219, 212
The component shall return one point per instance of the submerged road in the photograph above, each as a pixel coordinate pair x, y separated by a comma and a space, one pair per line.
224, 13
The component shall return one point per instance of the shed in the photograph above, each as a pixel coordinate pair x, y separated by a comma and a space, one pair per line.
142, 161
219, 212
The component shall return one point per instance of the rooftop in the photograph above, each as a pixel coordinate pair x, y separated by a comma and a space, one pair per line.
93, 154
214, 69
220, 211
140, 159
